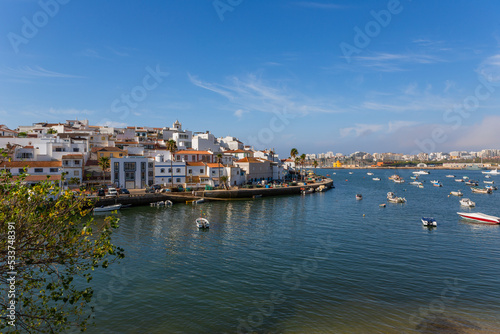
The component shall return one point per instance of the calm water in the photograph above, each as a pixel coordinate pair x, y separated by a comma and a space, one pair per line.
320, 263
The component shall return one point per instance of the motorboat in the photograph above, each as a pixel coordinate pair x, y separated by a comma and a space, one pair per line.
436, 183
429, 222
414, 177
108, 208
487, 176
450, 176
350, 172
202, 223
465, 177
383, 205
471, 183
394, 177
491, 187
369, 173
359, 197
376, 179
416, 183
456, 193
489, 182
467, 202
399, 181
459, 180
480, 217
492, 172
322, 188
478, 190
420, 185
391, 197
421, 172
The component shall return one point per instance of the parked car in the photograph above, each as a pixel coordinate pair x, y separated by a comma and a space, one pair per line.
124, 191
112, 192
150, 190
101, 192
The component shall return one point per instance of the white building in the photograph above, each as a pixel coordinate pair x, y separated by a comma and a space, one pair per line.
231, 143
36, 171
167, 171
132, 172
183, 138
206, 141
72, 166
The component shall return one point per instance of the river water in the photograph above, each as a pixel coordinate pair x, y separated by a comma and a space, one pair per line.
317, 263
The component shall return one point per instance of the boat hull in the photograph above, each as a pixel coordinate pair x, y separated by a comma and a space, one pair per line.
480, 218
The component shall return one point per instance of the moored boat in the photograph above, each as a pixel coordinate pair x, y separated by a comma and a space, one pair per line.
478, 190
480, 217
369, 173
421, 172
489, 182
306, 190
108, 208
456, 193
491, 187
492, 172
451, 176
359, 197
459, 180
391, 197
436, 183
467, 202
376, 179
471, 183
202, 223
416, 183
429, 222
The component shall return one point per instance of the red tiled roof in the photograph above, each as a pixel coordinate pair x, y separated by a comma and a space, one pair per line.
73, 156
21, 164
195, 164
193, 152
215, 165
251, 160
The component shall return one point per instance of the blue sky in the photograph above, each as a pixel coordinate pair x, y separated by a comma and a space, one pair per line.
377, 76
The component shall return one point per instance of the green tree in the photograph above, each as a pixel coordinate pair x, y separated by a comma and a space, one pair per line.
104, 163
51, 131
224, 179
22, 134
55, 244
172, 148
302, 162
297, 165
315, 164
293, 154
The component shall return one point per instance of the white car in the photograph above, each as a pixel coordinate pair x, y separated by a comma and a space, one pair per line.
112, 192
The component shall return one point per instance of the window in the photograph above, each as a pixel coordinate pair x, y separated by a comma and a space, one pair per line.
77, 162
130, 166
117, 166
102, 154
186, 158
76, 173
169, 180
111, 155
162, 170
213, 172
201, 170
170, 170
54, 170
38, 170
120, 155
177, 170
190, 171
150, 165
178, 180
21, 170
76, 149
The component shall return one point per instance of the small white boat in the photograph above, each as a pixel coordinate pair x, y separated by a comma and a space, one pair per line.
359, 197
478, 190
399, 181
456, 193
459, 180
451, 176
321, 188
202, 223
168, 202
429, 222
465, 177
199, 201
393, 199
480, 217
420, 185
487, 177
467, 202
376, 179
414, 177
489, 182
350, 172
108, 208
492, 172
416, 183
421, 172
471, 183
383, 205
369, 173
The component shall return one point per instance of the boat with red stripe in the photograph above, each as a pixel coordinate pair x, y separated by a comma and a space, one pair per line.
480, 217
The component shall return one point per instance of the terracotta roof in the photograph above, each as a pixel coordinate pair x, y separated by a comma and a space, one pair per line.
73, 156
20, 164
92, 163
215, 165
238, 151
28, 146
107, 149
251, 160
193, 152
195, 164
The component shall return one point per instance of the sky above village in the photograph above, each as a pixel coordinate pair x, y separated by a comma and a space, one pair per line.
377, 76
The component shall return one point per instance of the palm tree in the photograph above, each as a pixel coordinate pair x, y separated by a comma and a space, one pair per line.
315, 164
297, 163
293, 154
302, 160
51, 131
223, 179
172, 148
219, 157
104, 164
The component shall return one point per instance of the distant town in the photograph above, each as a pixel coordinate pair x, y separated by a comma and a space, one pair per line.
78, 154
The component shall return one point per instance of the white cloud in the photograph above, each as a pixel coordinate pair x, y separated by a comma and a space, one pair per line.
360, 130
239, 113
394, 62
490, 68
35, 72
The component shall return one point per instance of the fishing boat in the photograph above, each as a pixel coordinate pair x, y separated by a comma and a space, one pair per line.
487, 176
456, 193
489, 182
459, 180
321, 188
421, 172
491, 187
359, 197
451, 176
399, 181
369, 173
465, 177
108, 208
202, 223
394, 199
416, 183
471, 183
492, 172
414, 177
429, 222
467, 202
420, 185
478, 190
480, 217
436, 183
376, 179
394, 177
